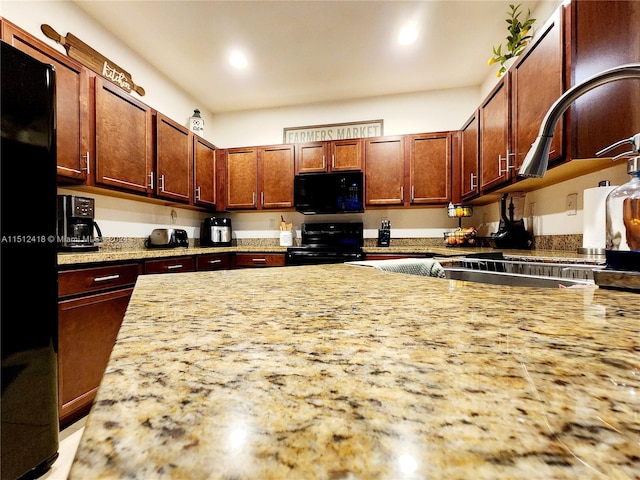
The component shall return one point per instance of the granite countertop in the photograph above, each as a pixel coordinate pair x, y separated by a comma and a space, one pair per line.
347, 372
104, 255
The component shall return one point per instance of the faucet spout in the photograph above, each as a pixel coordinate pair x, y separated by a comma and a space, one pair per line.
536, 161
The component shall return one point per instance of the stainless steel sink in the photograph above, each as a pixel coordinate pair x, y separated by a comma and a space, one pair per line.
512, 279
521, 273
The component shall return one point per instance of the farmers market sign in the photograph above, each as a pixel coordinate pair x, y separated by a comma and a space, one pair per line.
334, 131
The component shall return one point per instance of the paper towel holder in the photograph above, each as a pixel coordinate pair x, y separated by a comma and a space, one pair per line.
595, 251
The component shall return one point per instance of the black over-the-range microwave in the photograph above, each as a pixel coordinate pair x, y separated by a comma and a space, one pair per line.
329, 192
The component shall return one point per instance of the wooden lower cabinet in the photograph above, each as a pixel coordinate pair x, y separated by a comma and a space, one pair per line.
170, 265
215, 261
87, 330
243, 260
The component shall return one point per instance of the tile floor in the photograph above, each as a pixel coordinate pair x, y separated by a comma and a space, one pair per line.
69, 440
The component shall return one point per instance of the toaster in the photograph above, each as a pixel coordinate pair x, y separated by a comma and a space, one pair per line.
167, 238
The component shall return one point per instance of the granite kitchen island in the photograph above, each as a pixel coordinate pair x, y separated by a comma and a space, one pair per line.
347, 372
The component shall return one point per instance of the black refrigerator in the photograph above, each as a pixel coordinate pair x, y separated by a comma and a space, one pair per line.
28, 264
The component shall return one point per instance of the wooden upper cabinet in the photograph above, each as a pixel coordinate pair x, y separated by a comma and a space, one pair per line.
346, 155
469, 158
430, 167
311, 157
494, 136
204, 168
276, 172
537, 81
123, 139
72, 103
337, 155
384, 170
603, 35
242, 178
174, 159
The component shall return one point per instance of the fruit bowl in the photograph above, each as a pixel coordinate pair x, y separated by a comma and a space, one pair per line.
461, 237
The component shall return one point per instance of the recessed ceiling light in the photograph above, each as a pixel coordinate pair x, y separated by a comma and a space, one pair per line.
408, 34
238, 59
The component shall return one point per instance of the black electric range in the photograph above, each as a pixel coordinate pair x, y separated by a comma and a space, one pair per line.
327, 243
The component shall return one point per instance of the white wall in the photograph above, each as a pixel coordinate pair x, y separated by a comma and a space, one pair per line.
402, 114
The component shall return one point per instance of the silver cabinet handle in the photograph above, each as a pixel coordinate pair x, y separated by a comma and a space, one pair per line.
259, 260
402, 193
161, 183
197, 193
507, 165
86, 159
253, 198
262, 198
107, 278
213, 262
413, 192
173, 267
151, 180
333, 161
324, 163
472, 186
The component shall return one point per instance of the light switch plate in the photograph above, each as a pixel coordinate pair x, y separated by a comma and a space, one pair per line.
572, 204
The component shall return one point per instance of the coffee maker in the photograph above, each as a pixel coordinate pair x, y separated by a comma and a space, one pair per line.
76, 224
216, 232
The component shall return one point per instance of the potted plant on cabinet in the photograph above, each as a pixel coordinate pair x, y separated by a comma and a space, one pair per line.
517, 39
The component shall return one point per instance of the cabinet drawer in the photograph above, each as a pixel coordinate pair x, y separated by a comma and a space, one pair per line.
259, 260
212, 262
170, 265
86, 280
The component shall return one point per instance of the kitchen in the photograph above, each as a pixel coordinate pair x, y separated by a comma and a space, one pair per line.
452, 107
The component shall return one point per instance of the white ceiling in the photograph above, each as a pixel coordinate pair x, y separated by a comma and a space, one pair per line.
304, 52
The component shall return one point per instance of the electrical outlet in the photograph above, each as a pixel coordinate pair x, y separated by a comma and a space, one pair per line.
572, 204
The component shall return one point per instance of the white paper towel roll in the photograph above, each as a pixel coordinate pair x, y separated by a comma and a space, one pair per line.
594, 217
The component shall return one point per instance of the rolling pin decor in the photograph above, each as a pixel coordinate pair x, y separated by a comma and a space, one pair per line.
83, 53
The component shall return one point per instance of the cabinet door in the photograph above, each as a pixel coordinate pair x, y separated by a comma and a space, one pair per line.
123, 139
276, 169
87, 330
536, 84
174, 160
494, 137
346, 154
311, 157
72, 109
242, 178
204, 168
469, 154
430, 164
384, 170
603, 35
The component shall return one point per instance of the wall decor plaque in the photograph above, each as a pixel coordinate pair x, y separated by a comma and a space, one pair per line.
334, 131
87, 56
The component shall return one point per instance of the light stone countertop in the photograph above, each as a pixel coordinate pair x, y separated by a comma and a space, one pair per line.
347, 372
68, 259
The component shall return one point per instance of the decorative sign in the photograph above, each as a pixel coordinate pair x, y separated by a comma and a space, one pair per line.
83, 53
333, 131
